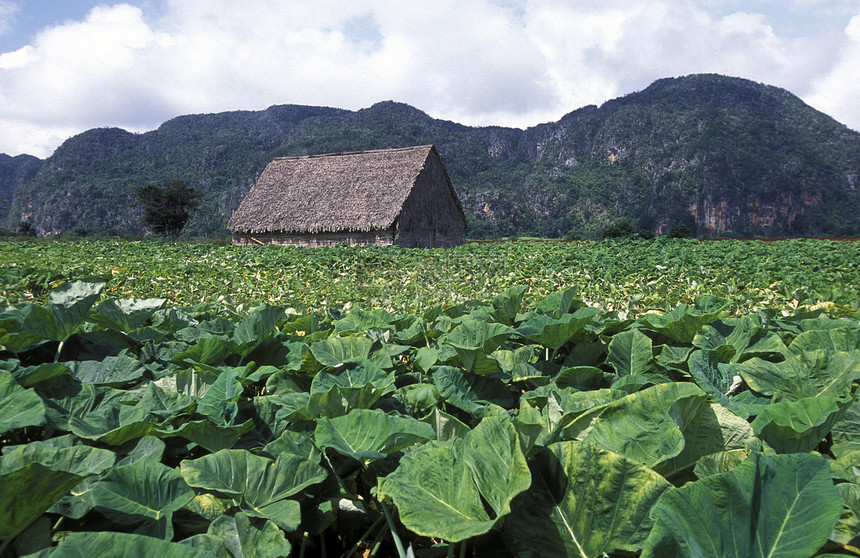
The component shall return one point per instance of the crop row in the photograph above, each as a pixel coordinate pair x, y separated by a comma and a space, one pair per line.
630, 276
522, 425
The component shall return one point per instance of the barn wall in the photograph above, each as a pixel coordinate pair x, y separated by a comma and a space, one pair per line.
431, 216
380, 238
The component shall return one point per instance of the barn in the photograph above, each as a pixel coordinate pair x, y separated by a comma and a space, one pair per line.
400, 197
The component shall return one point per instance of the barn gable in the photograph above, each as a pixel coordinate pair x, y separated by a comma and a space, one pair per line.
392, 196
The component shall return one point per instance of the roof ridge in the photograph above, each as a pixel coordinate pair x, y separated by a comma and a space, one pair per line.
365, 152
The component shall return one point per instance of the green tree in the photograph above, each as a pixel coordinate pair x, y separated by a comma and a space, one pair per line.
166, 208
680, 231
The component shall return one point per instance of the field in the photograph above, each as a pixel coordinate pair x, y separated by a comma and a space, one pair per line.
631, 276
627, 398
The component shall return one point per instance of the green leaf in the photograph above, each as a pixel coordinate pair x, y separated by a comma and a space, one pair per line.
809, 374
769, 506
798, 426
119, 369
246, 539
364, 434
336, 351
844, 339
256, 482
21, 407
213, 351
470, 392
554, 333
25, 494
685, 321
122, 545
68, 305
743, 335
474, 335
558, 303
719, 380
126, 315
440, 488
78, 460
707, 428
258, 326
846, 431
29, 376
630, 352
211, 436
142, 490
584, 501
640, 426
507, 304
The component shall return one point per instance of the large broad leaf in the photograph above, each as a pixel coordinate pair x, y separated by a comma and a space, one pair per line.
245, 539
209, 435
685, 321
473, 334
743, 336
257, 326
630, 352
708, 428
470, 392
846, 431
68, 305
507, 305
78, 460
336, 351
29, 376
440, 489
554, 333
26, 493
721, 381
119, 369
359, 321
780, 506
140, 491
809, 374
123, 545
21, 407
114, 423
640, 426
558, 303
126, 315
220, 403
583, 502
845, 339
355, 376
213, 351
258, 484
798, 426
365, 434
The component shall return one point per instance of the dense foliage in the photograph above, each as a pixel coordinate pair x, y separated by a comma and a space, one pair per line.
166, 208
721, 156
623, 275
487, 428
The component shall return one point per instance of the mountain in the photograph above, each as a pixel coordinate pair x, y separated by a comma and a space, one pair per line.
724, 156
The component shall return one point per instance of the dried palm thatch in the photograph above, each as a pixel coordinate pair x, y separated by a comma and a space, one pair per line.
358, 191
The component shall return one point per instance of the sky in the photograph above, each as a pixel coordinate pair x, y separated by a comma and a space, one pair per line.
70, 65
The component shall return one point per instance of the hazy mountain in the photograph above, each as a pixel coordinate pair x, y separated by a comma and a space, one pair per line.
724, 156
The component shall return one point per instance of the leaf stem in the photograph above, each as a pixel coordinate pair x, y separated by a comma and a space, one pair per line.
364, 536
391, 527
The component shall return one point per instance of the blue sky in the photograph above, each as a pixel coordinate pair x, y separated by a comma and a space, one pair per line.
70, 65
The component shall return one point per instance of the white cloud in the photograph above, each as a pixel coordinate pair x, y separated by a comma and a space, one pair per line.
480, 62
839, 91
7, 14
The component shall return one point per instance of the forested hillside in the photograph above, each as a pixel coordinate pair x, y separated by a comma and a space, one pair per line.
723, 156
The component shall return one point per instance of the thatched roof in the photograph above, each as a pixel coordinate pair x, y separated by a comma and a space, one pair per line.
358, 191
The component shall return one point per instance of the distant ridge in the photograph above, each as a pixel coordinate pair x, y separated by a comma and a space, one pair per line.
724, 156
